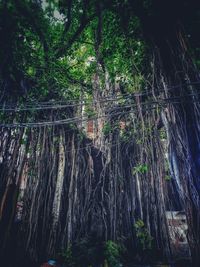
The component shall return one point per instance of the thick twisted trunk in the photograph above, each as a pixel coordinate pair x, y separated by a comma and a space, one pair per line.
178, 79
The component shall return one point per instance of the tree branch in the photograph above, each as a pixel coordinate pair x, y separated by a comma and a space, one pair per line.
68, 22
75, 36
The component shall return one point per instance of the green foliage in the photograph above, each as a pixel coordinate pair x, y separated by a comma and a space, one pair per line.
68, 257
112, 254
163, 134
167, 171
88, 252
143, 236
123, 55
56, 140
168, 178
81, 136
23, 141
126, 134
124, 137
140, 169
107, 128
72, 126
90, 112
59, 62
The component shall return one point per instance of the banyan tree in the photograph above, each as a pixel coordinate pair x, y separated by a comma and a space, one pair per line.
99, 132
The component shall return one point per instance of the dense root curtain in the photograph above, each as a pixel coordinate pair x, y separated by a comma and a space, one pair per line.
69, 189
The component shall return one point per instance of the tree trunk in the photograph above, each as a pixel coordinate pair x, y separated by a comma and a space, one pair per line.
176, 79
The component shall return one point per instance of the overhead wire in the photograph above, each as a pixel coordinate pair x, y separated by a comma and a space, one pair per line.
129, 97
70, 103
154, 104
174, 100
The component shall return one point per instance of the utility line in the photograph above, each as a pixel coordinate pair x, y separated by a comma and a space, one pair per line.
154, 105
18, 109
84, 101
68, 103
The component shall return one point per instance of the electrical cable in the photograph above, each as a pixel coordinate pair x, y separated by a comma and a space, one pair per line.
78, 119
68, 103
